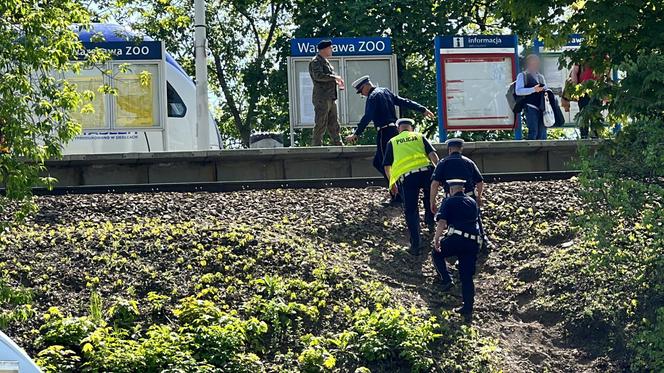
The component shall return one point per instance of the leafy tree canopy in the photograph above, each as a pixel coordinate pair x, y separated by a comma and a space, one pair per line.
37, 40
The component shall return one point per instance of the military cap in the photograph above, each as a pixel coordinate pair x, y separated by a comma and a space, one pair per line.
455, 182
359, 83
324, 44
454, 142
405, 121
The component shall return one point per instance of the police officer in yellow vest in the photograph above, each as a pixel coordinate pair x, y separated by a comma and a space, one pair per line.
409, 160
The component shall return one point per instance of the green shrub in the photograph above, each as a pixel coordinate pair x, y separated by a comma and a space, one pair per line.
611, 282
57, 359
388, 333
316, 358
648, 346
123, 313
65, 331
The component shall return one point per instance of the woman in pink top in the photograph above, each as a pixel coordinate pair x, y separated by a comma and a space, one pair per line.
578, 75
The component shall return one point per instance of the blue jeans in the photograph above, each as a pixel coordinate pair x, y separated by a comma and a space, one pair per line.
535, 122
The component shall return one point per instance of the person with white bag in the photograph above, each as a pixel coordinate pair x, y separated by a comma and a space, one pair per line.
533, 85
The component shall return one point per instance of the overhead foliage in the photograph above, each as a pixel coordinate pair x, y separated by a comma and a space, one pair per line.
37, 41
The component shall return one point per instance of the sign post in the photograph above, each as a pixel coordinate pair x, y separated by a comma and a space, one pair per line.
351, 59
473, 74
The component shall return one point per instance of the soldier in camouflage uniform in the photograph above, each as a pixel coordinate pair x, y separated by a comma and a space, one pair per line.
324, 96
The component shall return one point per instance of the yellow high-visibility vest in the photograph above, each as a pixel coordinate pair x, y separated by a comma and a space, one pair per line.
409, 154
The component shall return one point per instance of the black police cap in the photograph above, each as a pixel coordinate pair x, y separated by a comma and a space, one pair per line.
324, 44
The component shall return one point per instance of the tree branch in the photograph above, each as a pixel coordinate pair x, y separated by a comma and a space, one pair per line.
223, 83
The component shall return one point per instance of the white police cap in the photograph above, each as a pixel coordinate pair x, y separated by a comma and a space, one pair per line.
405, 121
456, 182
357, 84
454, 142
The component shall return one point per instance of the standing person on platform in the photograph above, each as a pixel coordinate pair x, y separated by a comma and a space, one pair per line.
531, 84
380, 108
458, 166
324, 96
458, 234
409, 160
578, 75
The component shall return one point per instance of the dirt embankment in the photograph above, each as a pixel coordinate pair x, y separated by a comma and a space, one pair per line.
527, 221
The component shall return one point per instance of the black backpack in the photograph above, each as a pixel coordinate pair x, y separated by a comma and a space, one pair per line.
515, 102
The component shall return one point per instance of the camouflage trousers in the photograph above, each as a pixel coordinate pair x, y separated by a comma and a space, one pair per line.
325, 112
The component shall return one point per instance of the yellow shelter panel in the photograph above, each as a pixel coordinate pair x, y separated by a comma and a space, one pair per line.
137, 100
86, 118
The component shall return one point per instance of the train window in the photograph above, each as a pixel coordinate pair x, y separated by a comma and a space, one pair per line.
91, 114
137, 100
176, 107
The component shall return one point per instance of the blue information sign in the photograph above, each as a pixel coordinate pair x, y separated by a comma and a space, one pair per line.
478, 41
125, 50
364, 46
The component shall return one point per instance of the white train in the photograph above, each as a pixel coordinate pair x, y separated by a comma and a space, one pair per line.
155, 106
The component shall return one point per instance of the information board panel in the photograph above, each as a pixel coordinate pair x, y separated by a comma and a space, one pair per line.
474, 92
473, 75
381, 75
303, 89
351, 59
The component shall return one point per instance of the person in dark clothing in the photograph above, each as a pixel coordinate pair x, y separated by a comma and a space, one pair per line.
380, 109
409, 160
458, 166
531, 83
458, 235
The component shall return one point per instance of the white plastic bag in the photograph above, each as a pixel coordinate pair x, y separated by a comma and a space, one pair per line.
549, 116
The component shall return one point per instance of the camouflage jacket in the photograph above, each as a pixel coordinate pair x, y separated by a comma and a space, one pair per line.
325, 86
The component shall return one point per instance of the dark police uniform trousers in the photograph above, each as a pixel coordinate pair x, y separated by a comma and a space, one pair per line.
409, 189
383, 136
466, 252
461, 213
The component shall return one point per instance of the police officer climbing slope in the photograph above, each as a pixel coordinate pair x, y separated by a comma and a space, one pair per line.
409, 160
458, 234
380, 108
458, 166
324, 95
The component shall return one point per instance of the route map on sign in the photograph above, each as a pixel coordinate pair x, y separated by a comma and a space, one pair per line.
474, 89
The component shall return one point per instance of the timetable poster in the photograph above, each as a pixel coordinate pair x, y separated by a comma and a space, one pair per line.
474, 89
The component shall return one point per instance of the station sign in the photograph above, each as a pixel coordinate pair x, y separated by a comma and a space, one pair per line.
352, 58
478, 41
573, 42
125, 50
473, 72
361, 46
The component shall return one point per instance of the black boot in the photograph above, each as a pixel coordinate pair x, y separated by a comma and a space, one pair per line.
466, 313
447, 286
414, 250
